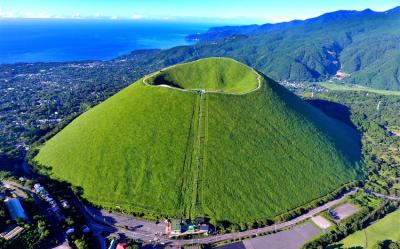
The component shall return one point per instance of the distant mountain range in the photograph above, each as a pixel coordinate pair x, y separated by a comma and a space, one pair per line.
363, 47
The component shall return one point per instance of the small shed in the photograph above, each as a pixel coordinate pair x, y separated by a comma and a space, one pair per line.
176, 226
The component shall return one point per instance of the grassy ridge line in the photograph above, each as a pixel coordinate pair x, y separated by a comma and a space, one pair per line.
153, 75
337, 87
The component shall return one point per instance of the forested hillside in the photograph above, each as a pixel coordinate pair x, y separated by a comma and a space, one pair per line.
363, 44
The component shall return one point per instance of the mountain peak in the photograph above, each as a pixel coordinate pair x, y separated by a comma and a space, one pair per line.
394, 10
214, 74
158, 146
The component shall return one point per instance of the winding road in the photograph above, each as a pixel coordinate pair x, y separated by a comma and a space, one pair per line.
147, 232
147, 236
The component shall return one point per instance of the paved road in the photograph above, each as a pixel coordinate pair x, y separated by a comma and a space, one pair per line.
218, 238
392, 198
120, 220
150, 231
148, 235
293, 238
103, 221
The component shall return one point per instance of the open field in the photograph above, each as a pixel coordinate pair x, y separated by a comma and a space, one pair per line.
170, 151
384, 229
340, 87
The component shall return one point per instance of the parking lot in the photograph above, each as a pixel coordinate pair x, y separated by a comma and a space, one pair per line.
290, 239
321, 222
343, 211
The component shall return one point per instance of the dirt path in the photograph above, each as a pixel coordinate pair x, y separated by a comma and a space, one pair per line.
387, 197
200, 151
187, 175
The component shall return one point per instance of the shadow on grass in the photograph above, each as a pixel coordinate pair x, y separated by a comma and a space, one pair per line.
342, 114
334, 110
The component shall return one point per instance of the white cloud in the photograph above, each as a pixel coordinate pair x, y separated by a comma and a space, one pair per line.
7, 14
114, 17
97, 14
77, 15
30, 14
137, 17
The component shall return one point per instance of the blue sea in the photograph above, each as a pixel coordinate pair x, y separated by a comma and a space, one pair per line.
70, 40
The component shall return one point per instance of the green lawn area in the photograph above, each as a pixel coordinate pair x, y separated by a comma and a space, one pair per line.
387, 228
215, 74
159, 151
341, 87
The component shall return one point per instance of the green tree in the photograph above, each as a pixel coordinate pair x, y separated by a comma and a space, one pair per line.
43, 229
81, 244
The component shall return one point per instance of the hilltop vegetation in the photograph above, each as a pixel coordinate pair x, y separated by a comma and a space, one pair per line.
210, 75
154, 150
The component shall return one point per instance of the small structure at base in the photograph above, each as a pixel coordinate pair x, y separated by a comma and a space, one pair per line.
176, 227
12, 232
122, 245
15, 209
180, 228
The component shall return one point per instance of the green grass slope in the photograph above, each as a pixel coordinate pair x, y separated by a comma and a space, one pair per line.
253, 153
213, 74
269, 152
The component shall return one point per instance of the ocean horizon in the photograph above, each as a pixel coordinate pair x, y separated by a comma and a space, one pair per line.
74, 40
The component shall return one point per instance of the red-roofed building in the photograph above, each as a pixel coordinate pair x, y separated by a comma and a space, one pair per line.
122, 245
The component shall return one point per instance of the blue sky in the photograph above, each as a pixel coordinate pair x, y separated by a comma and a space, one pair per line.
229, 11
